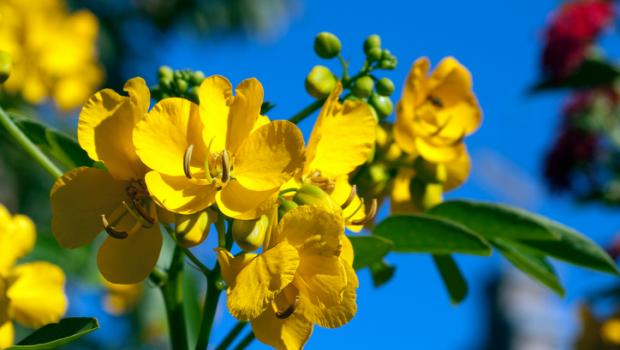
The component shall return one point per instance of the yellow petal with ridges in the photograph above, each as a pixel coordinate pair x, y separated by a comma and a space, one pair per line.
17, 238
178, 193
244, 113
215, 95
312, 230
288, 334
458, 171
439, 153
232, 265
238, 202
7, 335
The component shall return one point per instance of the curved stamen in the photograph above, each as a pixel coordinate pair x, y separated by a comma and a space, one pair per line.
349, 200
372, 212
289, 310
187, 158
113, 232
435, 101
225, 167
137, 211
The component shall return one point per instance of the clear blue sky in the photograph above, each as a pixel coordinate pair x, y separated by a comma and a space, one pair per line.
499, 41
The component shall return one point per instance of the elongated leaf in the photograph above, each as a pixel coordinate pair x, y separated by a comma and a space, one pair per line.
381, 272
369, 250
534, 265
574, 248
453, 279
427, 234
54, 335
496, 220
55, 143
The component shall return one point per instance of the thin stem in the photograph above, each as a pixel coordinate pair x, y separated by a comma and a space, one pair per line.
30, 148
306, 112
232, 335
345, 67
172, 292
210, 307
220, 227
205, 270
245, 341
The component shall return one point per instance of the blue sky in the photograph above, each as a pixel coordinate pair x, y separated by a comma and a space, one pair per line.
499, 41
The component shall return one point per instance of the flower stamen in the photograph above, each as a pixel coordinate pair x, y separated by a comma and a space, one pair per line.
113, 232
435, 101
349, 199
225, 167
187, 158
288, 312
372, 212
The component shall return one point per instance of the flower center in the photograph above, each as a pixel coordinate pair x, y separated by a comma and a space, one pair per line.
139, 207
322, 182
217, 167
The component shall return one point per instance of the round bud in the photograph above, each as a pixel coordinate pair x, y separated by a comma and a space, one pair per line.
5, 66
197, 77
320, 82
373, 180
430, 172
373, 54
165, 72
250, 234
312, 195
182, 85
382, 104
385, 87
372, 42
327, 45
425, 195
362, 87
193, 94
165, 83
191, 230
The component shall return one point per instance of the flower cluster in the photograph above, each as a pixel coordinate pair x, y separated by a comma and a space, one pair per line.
32, 294
53, 51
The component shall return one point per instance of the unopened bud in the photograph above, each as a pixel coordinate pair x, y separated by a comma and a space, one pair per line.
362, 87
197, 77
192, 229
373, 54
285, 206
382, 104
425, 195
327, 45
373, 180
250, 234
320, 82
385, 87
313, 195
5, 66
430, 172
165, 72
182, 85
372, 42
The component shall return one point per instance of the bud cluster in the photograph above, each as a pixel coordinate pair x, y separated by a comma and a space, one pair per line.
177, 83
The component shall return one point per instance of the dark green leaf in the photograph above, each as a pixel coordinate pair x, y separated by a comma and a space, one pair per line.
369, 250
496, 220
54, 335
266, 107
381, 273
574, 248
592, 72
533, 265
453, 279
427, 234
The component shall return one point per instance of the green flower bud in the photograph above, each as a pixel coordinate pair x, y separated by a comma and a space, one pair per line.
362, 87
250, 234
320, 82
430, 172
165, 72
425, 195
5, 66
182, 85
193, 229
385, 87
372, 42
178, 75
374, 54
197, 77
285, 206
165, 83
327, 45
382, 104
312, 195
193, 94
373, 181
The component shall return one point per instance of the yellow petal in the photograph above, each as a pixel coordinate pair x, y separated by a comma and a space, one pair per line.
106, 125
324, 296
458, 171
238, 202
178, 193
17, 238
288, 334
4, 302
130, 260
347, 253
215, 95
270, 156
37, 294
232, 265
258, 283
439, 153
312, 230
401, 201
342, 139
356, 210
244, 112
163, 136
7, 335
78, 200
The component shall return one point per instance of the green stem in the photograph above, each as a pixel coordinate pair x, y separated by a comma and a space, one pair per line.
205, 270
306, 112
172, 292
345, 68
232, 335
245, 341
25, 143
208, 315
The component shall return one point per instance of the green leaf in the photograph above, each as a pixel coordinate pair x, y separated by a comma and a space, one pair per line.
427, 234
533, 265
574, 248
496, 220
369, 250
54, 335
592, 72
381, 272
55, 143
453, 279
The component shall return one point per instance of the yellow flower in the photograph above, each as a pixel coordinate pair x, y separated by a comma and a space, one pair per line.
121, 298
436, 111
53, 51
32, 294
86, 201
221, 151
303, 277
342, 139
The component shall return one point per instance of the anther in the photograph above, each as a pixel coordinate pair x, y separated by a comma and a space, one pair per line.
372, 212
225, 167
289, 310
187, 158
138, 212
349, 199
111, 230
435, 101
